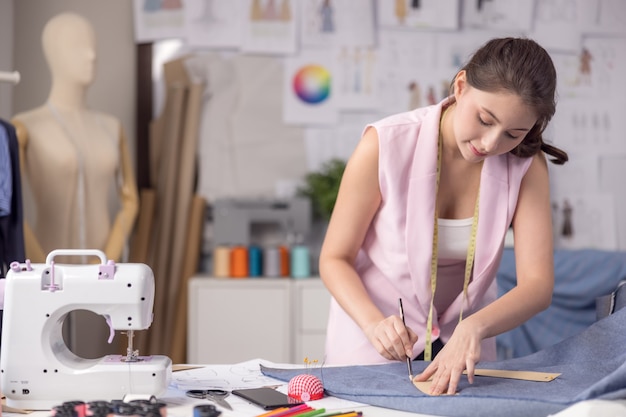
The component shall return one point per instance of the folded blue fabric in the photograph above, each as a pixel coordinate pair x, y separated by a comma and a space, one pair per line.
592, 366
580, 277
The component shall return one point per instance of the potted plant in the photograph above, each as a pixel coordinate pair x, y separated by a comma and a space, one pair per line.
322, 187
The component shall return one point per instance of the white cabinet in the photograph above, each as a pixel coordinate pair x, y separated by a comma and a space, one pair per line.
233, 320
311, 302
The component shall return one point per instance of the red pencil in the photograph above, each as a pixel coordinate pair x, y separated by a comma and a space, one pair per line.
294, 411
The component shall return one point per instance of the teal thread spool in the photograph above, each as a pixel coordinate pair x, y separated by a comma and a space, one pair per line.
255, 261
300, 262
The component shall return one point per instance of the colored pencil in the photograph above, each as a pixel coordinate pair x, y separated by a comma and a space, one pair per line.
288, 411
312, 413
342, 414
273, 412
295, 411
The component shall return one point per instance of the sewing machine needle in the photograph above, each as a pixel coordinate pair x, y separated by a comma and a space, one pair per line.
408, 359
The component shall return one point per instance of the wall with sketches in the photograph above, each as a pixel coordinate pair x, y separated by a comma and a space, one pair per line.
293, 82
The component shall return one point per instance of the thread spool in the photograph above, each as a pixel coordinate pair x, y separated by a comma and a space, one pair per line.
125, 409
239, 262
100, 408
283, 252
205, 410
271, 262
300, 262
221, 261
80, 407
255, 261
151, 407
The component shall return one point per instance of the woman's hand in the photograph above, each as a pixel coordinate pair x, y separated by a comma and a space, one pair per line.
391, 338
462, 352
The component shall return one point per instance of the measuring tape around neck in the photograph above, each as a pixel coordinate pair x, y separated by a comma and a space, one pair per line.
469, 260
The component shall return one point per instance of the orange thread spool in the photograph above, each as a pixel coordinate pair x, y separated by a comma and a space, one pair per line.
239, 262
284, 261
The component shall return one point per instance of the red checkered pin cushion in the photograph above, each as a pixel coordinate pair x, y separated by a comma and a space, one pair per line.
305, 387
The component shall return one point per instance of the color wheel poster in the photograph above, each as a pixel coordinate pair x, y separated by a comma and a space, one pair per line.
308, 94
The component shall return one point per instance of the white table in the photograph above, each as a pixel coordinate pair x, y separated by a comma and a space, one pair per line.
248, 375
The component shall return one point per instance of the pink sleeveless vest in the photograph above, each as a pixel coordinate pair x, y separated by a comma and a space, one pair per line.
394, 260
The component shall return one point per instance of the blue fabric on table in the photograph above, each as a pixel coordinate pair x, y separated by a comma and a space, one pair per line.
592, 366
580, 276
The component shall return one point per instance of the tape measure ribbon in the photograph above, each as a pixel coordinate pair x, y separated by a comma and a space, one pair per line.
469, 261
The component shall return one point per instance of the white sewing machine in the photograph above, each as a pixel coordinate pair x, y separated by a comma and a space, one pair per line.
39, 371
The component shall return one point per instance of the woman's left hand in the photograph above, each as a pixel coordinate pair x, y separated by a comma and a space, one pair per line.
462, 352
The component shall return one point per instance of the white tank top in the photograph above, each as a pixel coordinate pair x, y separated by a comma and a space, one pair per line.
454, 237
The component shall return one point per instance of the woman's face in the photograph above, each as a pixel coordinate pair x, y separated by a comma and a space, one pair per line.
487, 124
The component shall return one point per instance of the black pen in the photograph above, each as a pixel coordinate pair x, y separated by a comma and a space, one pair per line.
408, 359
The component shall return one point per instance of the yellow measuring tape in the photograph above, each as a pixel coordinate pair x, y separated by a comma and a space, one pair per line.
469, 261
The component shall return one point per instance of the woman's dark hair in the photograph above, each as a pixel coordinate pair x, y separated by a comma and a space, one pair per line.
520, 66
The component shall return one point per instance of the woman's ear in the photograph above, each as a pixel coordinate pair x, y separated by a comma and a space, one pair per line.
460, 83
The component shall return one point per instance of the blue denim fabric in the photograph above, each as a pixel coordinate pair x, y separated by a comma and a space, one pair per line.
592, 364
580, 277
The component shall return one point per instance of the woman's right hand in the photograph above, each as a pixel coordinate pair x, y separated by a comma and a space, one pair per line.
391, 338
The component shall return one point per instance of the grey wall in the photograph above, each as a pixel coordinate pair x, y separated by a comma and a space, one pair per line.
6, 56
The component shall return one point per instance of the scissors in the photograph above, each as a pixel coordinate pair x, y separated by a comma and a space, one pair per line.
216, 395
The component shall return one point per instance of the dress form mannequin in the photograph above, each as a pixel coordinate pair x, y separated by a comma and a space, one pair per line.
72, 156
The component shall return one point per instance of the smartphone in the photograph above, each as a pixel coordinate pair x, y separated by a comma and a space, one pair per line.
268, 398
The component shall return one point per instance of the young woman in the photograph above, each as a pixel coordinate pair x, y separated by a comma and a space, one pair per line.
422, 212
